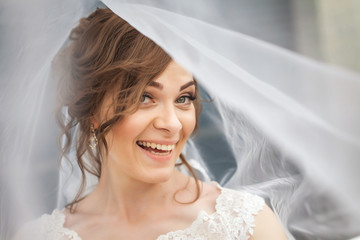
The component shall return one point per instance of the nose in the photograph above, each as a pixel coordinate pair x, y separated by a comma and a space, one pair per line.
168, 121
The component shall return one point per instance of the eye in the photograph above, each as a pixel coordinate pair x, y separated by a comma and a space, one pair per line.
146, 98
186, 99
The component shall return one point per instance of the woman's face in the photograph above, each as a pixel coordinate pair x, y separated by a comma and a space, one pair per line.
145, 145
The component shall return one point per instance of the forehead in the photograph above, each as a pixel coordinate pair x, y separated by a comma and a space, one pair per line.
173, 73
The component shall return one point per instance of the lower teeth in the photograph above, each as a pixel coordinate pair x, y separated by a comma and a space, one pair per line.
161, 154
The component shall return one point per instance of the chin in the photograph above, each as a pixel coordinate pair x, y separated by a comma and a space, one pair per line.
160, 176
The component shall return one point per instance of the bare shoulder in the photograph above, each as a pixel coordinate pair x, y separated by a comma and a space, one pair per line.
268, 226
210, 190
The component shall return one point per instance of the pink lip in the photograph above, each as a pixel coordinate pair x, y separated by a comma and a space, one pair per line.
158, 158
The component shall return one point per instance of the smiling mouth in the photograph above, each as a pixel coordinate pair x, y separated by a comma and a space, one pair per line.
157, 149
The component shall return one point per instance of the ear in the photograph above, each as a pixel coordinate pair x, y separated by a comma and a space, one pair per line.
95, 121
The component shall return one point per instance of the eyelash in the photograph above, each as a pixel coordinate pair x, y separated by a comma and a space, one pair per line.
145, 95
190, 97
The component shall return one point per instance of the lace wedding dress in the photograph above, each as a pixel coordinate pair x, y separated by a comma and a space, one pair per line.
233, 219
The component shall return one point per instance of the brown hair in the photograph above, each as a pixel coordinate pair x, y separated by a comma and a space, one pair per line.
106, 55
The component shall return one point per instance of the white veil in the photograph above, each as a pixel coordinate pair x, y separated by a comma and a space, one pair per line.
281, 125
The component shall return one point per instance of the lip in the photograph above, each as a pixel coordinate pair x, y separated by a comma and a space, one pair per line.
157, 158
162, 142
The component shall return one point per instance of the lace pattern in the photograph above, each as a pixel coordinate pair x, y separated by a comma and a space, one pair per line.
233, 219
52, 226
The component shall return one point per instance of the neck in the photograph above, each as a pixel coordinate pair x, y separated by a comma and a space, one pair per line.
132, 199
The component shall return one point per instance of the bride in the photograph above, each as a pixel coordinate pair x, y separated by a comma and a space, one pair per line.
135, 109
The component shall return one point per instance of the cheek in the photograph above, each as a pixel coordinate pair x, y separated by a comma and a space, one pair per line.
121, 134
189, 122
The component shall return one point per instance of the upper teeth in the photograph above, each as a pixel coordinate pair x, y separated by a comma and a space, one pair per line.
157, 146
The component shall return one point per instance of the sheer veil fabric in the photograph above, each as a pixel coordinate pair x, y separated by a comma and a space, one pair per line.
277, 124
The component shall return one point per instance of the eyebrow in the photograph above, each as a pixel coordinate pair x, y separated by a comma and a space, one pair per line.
160, 86
186, 85
156, 85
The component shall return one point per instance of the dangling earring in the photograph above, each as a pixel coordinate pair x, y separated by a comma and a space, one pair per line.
93, 141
